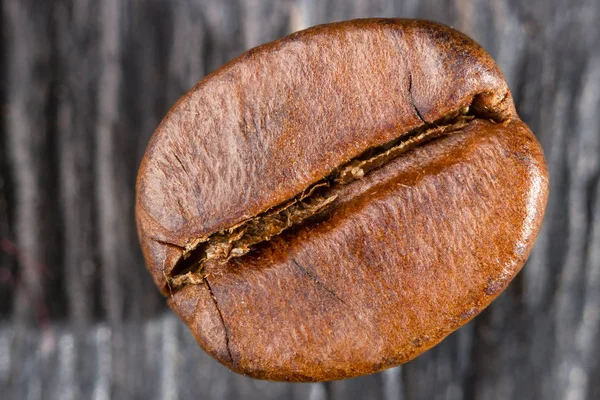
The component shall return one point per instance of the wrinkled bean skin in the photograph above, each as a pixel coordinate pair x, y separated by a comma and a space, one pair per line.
384, 265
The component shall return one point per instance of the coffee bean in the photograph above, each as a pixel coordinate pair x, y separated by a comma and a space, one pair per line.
338, 201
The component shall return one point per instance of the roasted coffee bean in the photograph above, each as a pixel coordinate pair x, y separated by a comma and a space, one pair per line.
338, 201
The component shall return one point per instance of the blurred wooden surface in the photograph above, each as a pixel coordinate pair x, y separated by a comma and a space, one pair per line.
84, 83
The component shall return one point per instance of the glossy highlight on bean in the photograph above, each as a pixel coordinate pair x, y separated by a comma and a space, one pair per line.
340, 200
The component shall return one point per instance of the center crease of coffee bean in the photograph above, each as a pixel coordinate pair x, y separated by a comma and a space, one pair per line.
313, 201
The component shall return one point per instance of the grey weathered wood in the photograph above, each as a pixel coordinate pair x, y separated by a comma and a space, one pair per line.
82, 86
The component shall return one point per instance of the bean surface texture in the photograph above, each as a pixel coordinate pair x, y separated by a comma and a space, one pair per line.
338, 201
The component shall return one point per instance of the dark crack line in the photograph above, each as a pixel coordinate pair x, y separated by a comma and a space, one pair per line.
412, 98
182, 165
212, 295
181, 209
398, 40
168, 244
317, 281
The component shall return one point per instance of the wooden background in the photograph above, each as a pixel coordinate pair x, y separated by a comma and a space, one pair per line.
84, 83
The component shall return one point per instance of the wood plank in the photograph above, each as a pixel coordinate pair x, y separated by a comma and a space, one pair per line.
83, 85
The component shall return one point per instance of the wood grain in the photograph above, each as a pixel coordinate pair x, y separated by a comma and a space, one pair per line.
84, 83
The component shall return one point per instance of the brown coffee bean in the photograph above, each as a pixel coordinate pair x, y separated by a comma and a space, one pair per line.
338, 201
